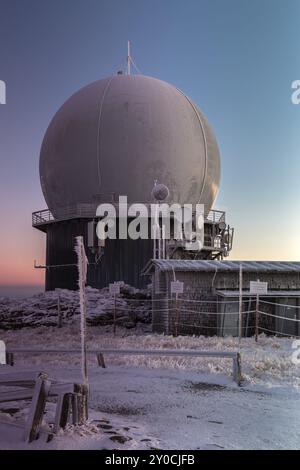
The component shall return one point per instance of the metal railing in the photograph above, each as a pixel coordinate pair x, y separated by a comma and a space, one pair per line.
233, 355
216, 216
42, 217
69, 212
89, 210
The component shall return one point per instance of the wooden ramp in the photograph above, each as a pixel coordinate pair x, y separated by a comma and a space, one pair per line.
71, 400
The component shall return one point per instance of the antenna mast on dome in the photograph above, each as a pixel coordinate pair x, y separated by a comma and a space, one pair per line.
130, 61
128, 58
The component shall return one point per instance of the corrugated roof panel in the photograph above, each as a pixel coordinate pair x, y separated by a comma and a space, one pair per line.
215, 265
270, 293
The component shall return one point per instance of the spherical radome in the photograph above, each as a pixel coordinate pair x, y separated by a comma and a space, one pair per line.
118, 135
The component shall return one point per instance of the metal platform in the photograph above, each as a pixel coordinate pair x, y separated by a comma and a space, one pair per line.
45, 217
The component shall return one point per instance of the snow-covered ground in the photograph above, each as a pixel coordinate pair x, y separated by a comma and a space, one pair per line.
132, 306
171, 403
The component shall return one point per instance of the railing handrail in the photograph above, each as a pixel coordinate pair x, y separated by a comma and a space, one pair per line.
89, 210
215, 215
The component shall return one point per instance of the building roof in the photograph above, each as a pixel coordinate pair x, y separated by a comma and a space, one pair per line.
270, 293
221, 266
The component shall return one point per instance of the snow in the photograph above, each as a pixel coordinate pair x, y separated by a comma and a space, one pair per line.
267, 362
101, 432
133, 306
170, 403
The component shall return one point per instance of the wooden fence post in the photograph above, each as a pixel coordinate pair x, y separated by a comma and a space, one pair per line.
9, 358
82, 400
178, 312
62, 411
37, 407
100, 360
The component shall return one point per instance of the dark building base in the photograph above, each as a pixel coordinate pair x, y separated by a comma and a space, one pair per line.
122, 260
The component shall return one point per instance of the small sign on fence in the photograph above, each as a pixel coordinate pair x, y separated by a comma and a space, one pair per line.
114, 289
176, 287
258, 287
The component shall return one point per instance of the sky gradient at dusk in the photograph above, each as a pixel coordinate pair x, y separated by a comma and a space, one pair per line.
236, 59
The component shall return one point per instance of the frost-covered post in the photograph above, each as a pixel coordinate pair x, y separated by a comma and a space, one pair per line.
177, 288
177, 310
82, 273
240, 303
256, 317
115, 314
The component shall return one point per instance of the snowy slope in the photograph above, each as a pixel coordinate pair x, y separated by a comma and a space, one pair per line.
133, 306
170, 403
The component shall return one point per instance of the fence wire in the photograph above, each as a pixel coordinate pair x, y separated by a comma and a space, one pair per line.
169, 314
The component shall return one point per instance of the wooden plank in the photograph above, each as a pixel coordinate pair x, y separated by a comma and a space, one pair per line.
59, 388
27, 394
43, 432
16, 395
168, 352
22, 378
71, 396
62, 412
145, 352
75, 416
162, 352
37, 407
19, 383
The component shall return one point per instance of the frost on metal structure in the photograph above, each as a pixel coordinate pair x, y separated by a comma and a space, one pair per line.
82, 274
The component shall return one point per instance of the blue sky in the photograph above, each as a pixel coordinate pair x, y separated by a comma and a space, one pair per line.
235, 58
